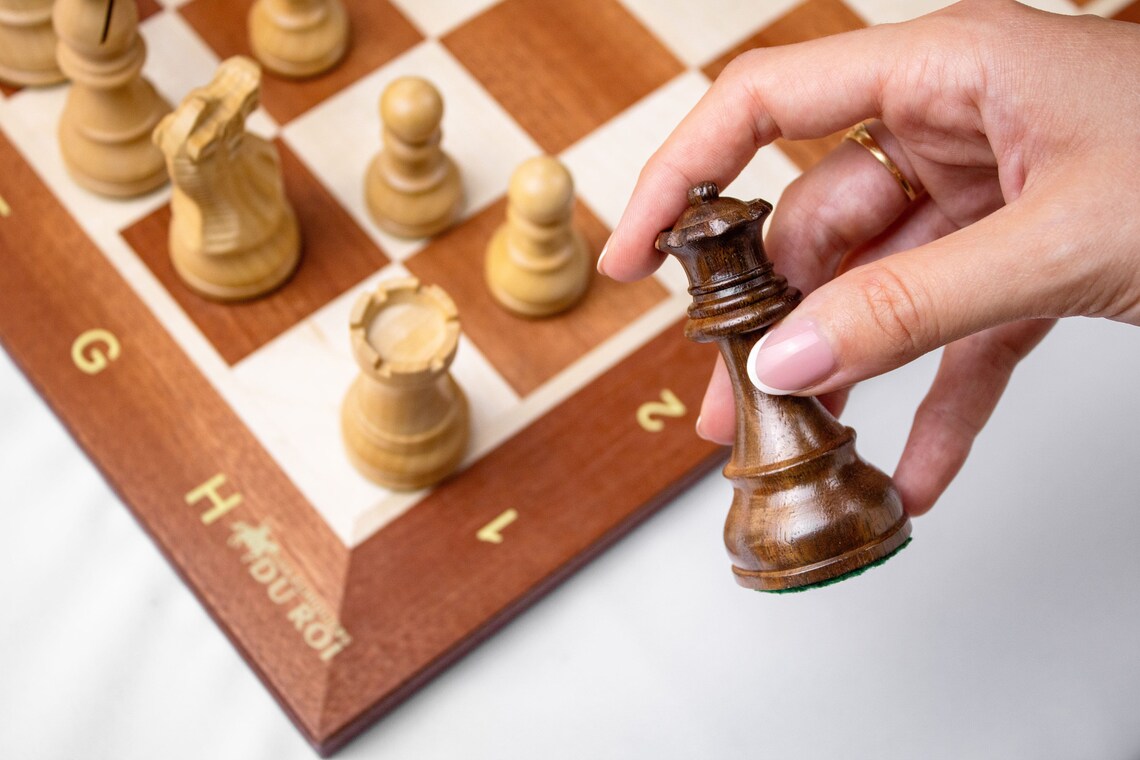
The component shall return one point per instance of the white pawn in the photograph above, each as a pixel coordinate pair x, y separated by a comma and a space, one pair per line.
537, 263
27, 43
111, 110
412, 187
298, 38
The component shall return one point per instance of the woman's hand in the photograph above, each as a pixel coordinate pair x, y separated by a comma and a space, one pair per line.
1019, 129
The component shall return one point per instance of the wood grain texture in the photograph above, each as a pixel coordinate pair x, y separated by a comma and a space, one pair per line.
430, 585
377, 34
528, 352
806, 509
415, 596
807, 21
568, 67
424, 581
335, 255
157, 430
1129, 13
220, 173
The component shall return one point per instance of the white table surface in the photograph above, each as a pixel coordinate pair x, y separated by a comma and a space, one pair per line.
1010, 628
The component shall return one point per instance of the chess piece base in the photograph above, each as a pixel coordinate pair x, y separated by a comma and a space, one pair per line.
829, 569
413, 214
242, 275
27, 47
778, 539
298, 51
537, 292
405, 463
119, 164
34, 77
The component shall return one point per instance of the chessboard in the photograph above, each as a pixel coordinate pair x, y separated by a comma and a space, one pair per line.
218, 424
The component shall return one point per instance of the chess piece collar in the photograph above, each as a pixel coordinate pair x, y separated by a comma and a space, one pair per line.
718, 242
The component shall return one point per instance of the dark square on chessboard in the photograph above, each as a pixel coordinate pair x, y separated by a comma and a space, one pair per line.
379, 33
528, 352
562, 68
335, 255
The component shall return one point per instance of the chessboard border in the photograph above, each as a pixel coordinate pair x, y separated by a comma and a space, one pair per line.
338, 635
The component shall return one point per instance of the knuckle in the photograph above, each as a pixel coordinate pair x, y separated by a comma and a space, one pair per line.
899, 310
739, 67
951, 421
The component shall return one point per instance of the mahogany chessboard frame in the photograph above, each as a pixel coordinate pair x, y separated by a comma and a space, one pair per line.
341, 635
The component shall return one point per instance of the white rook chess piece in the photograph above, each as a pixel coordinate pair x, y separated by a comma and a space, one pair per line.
27, 43
104, 131
298, 38
412, 187
537, 263
405, 420
233, 234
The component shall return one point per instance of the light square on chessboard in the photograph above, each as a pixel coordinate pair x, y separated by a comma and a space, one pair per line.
808, 21
289, 394
437, 17
562, 69
177, 61
529, 352
339, 138
700, 32
336, 254
605, 163
379, 33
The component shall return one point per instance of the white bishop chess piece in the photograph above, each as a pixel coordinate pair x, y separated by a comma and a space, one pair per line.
104, 131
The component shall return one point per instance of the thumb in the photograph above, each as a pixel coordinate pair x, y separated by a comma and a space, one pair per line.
884, 314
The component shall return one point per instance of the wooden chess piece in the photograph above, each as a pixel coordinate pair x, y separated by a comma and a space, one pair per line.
104, 131
298, 38
27, 44
412, 187
537, 263
806, 509
233, 234
405, 420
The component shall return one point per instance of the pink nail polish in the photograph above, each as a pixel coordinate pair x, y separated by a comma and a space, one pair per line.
790, 358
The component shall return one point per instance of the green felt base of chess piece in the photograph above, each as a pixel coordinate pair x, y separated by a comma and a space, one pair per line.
840, 578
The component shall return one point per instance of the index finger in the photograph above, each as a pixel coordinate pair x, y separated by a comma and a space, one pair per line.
806, 90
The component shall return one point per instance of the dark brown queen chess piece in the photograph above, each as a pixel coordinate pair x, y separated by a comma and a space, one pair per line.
807, 509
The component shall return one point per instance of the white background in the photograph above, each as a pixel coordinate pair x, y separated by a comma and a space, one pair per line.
1008, 628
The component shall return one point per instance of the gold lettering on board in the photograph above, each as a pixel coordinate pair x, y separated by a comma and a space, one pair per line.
648, 414
219, 505
492, 532
94, 350
267, 564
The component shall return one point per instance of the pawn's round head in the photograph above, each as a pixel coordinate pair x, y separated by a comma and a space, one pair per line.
542, 190
411, 108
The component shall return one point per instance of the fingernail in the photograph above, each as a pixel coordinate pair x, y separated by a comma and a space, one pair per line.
790, 358
699, 430
602, 258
